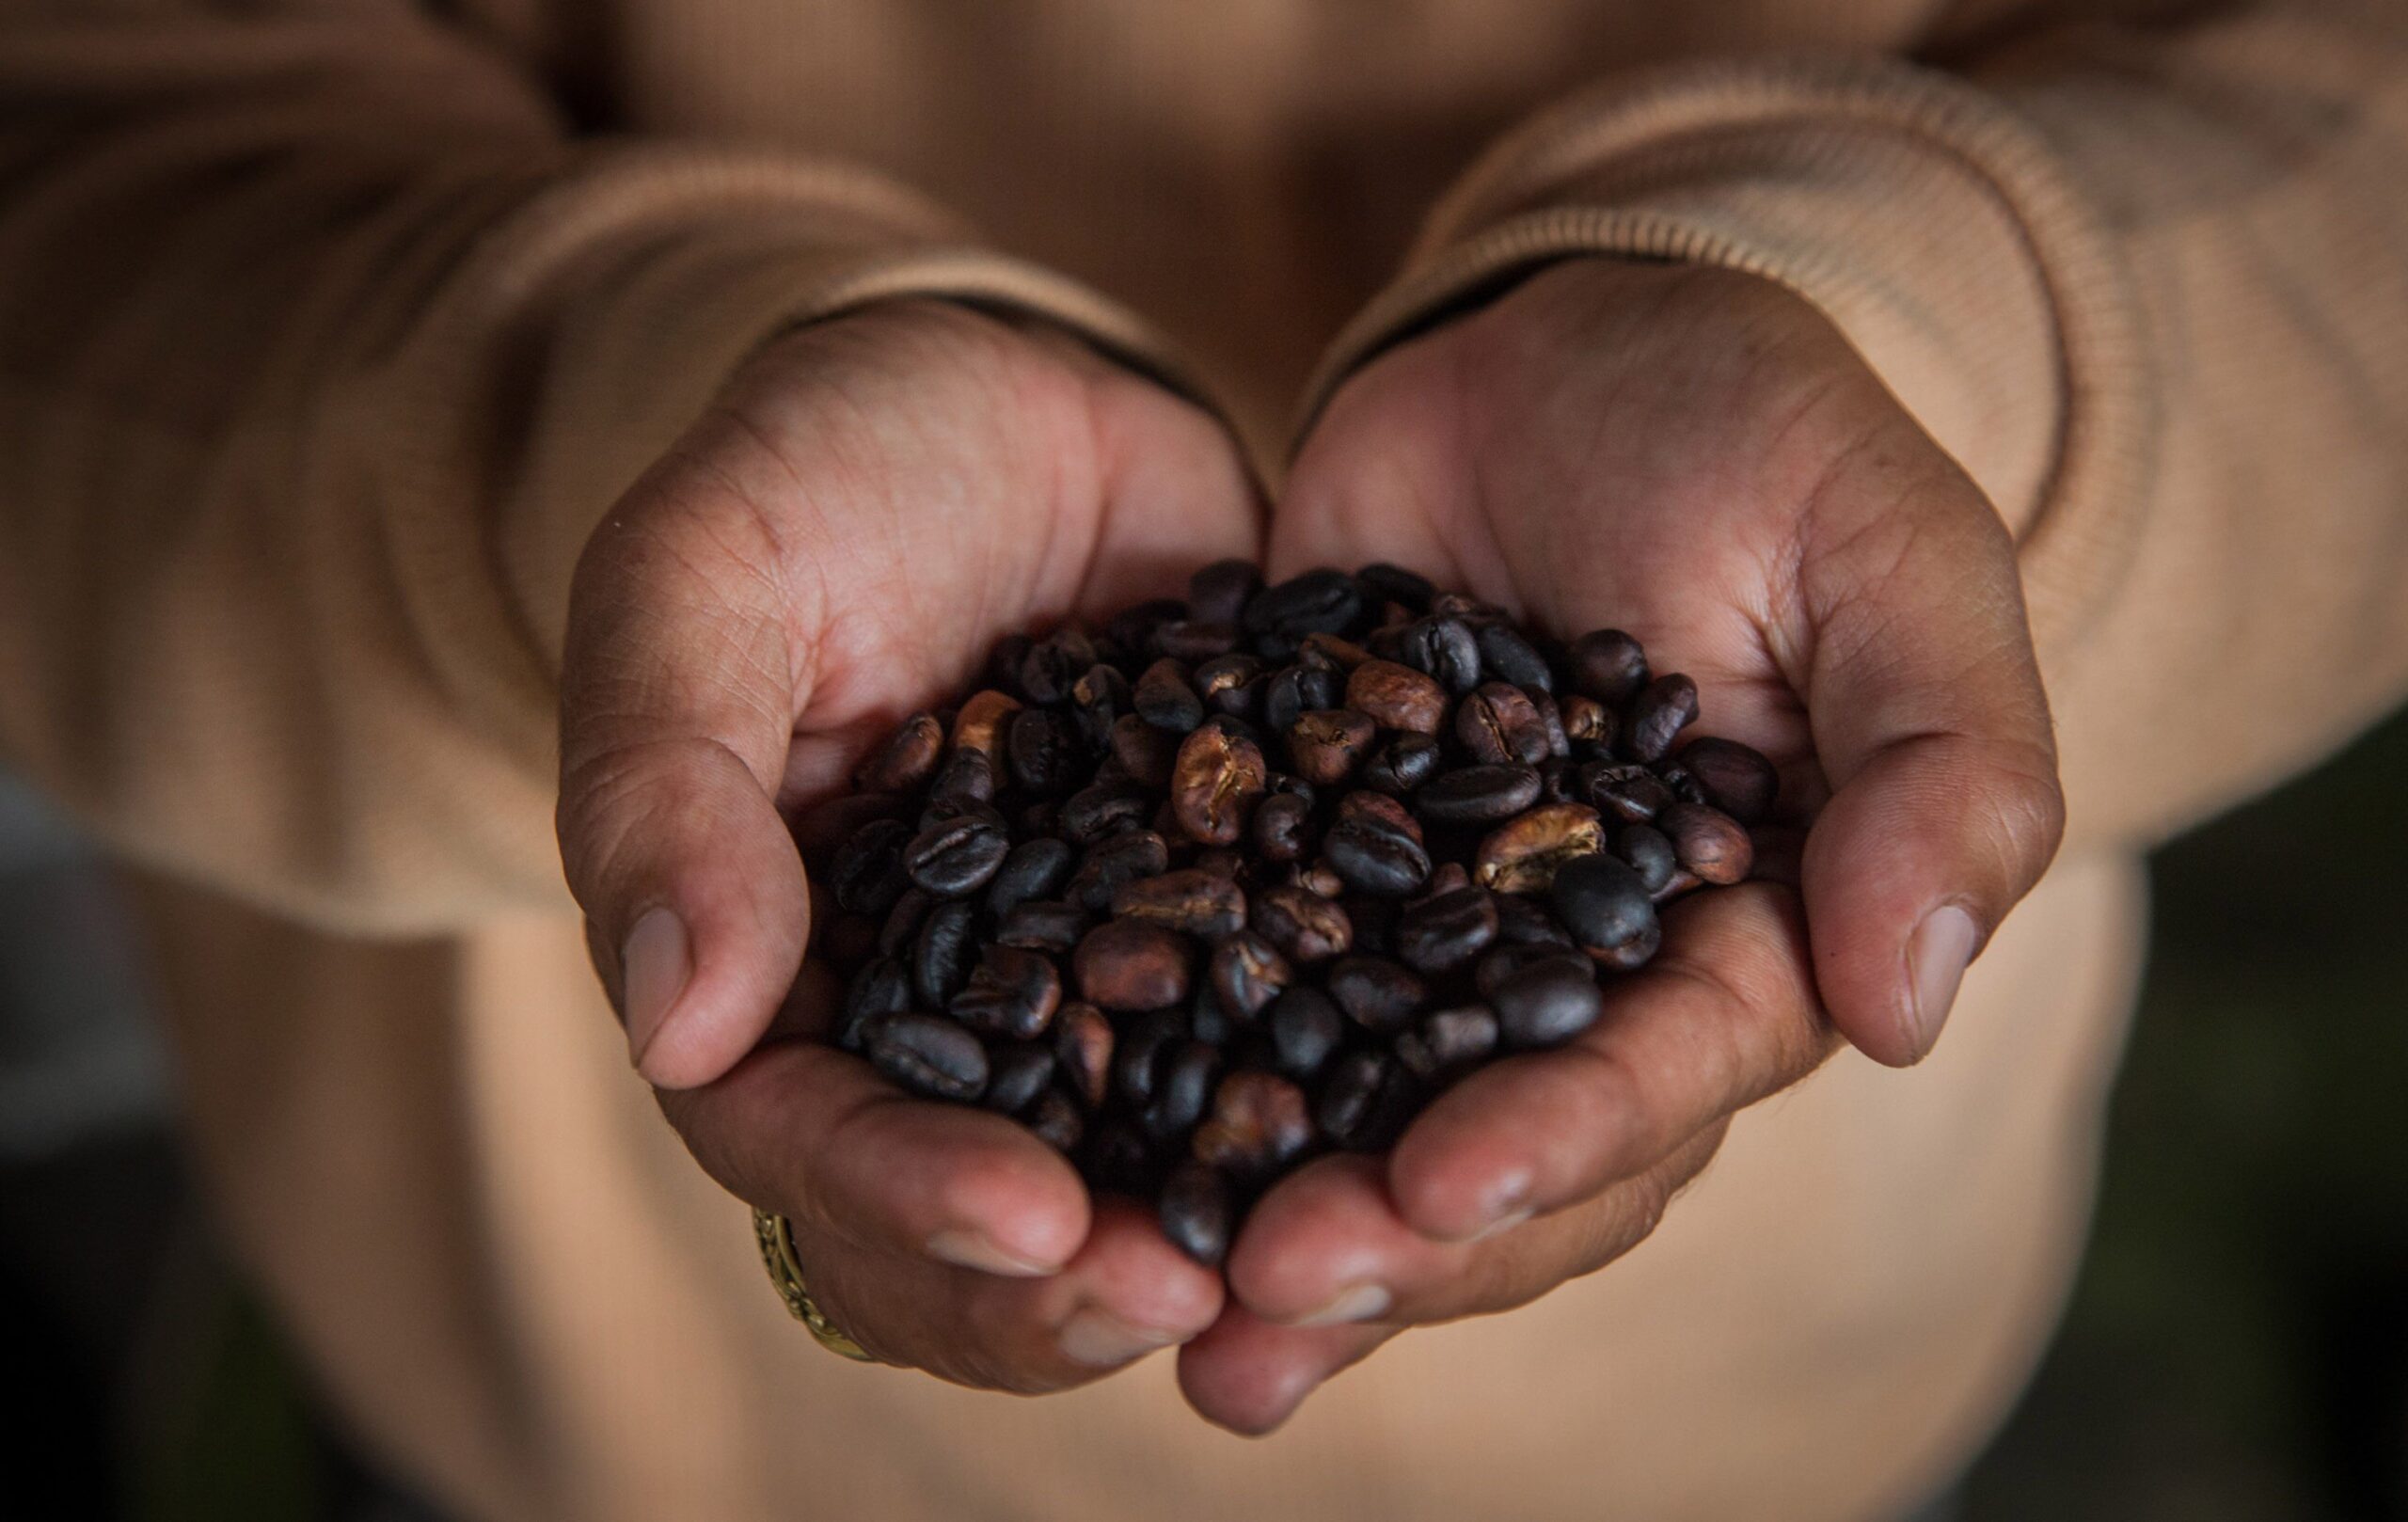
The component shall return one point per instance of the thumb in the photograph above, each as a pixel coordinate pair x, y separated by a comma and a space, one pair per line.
1933, 734
680, 680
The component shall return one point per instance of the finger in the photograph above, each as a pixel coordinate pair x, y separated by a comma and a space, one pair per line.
817, 1136
1929, 718
1725, 1015
1127, 1293
1249, 1375
1325, 1247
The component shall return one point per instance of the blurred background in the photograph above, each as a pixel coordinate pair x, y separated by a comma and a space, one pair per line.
2237, 1347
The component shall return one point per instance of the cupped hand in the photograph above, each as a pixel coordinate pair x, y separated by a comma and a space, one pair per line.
871, 503
1697, 457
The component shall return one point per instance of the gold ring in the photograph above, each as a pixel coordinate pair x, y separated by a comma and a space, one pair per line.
776, 1236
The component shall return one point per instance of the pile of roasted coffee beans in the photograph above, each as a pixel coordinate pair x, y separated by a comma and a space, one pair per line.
1247, 877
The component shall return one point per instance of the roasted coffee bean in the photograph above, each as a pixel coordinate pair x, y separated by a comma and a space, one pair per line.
1133, 628
966, 778
1182, 1089
1034, 869
1379, 811
1132, 964
1083, 1040
902, 923
1447, 1041
1197, 1212
1013, 993
1678, 778
1043, 750
1247, 972
1736, 778
906, 759
1141, 1053
1710, 842
1607, 665
1649, 853
1052, 664
1228, 683
1560, 780
1586, 722
867, 874
1218, 592
1349, 1095
1113, 861
1322, 601
941, 952
1404, 764
1191, 901
1629, 793
1659, 713
1444, 649
1282, 828
956, 857
1506, 656
1144, 751
1326, 746
1105, 809
1319, 878
1047, 925
1447, 930
1016, 1073
1192, 641
1478, 794
1394, 583
880, 986
1056, 1120
1257, 1125
1397, 697
1545, 1003
1499, 726
1305, 1029
1371, 856
1292, 691
927, 1054
1602, 902
981, 723
1165, 698
1634, 953
1503, 963
1559, 744
1523, 854
1522, 922
1444, 878
1214, 784
1101, 696
1301, 925
1378, 995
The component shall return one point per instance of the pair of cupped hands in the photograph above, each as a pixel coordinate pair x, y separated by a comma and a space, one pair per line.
1694, 456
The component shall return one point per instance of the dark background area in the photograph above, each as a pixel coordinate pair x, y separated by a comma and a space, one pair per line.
2237, 1346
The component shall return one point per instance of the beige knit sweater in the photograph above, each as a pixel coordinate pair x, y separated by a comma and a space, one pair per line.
329, 327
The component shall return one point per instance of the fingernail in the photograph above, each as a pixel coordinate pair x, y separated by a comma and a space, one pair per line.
1942, 948
964, 1247
1506, 1206
1503, 1224
1354, 1303
1100, 1339
654, 967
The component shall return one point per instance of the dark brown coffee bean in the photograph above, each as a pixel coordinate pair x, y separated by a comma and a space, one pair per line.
1736, 778
927, 1054
1634, 953
1447, 930
1404, 764
1247, 972
1164, 698
1602, 902
1499, 726
1044, 753
1506, 656
866, 873
1625, 792
1710, 842
1503, 962
1113, 861
1292, 691
1197, 1212
1384, 582
1378, 995
1397, 697
1053, 663
1319, 878
1303, 925
1047, 925
1142, 750
1101, 696
1478, 794
1443, 649
1282, 828
1218, 592
1607, 665
1649, 853
1191, 901
1258, 1124
1326, 746
1586, 722
1231, 684
1083, 1040
1192, 641
1379, 811
880, 986
1056, 1120
1658, 716
1528, 922
1133, 628
906, 759
1305, 1029
1130, 964
1559, 744
941, 952
1214, 784
1447, 1041
1013, 993
1374, 856
1183, 1088
1523, 854
1141, 1053
1034, 869
1560, 781
981, 724
1105, 809
966, 778
1444, 878
956, 857
902, 923
1016, 1073
1683, 785
1545, 1003
1321, 601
